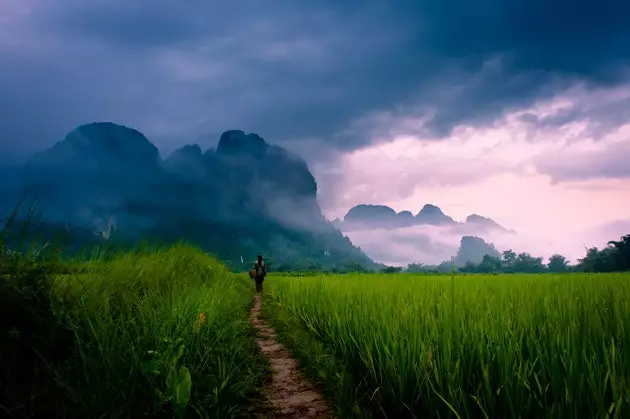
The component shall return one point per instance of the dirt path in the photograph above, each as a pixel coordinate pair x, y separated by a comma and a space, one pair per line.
289, 394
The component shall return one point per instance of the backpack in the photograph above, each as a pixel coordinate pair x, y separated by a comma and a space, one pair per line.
260, 268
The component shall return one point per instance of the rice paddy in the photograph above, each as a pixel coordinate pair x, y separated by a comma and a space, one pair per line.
165, 333
490, 346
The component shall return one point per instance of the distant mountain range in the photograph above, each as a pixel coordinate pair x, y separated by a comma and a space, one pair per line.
367, 216
244, 198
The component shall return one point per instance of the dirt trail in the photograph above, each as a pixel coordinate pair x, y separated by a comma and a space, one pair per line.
289, 394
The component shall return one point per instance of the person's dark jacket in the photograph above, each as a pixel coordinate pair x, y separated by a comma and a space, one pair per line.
261, 269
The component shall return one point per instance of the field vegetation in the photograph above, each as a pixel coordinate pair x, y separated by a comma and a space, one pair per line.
159, 332
408, 345
163, 332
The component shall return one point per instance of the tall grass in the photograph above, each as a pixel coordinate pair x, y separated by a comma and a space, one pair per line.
153, 324
473, 346
158, 333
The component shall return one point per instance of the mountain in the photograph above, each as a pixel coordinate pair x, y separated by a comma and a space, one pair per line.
405, 218
431, 214
473, 249
99, 171
485, 223
377, 216
273, 179
337, 223
9, 190
366, 216
186, 161
245, 197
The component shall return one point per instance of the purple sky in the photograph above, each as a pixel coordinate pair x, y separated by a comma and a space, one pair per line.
519, 111
562, 187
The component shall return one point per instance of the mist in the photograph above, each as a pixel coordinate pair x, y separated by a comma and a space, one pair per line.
434, 244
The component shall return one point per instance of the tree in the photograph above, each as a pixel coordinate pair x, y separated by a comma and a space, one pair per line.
509, 257
558, 263
469, 267
489, 264
352, 266
598, 260
527, 263
417, 267
621, 255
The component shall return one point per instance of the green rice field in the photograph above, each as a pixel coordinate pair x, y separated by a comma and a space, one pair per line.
165, 333
495, 346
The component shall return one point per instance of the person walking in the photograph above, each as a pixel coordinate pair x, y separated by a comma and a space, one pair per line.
261, 273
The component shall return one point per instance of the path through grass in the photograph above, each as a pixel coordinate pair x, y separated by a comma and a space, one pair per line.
288, 394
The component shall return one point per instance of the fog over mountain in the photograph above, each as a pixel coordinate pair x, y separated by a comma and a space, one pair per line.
106, 176
515, 111
244, 198
427, 243
366, 216
401, 238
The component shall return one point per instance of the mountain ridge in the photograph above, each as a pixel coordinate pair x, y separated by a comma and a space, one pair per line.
244, 197
365, 216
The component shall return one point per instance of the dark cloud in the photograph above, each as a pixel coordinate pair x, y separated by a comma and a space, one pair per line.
129, 24
183, 72
602, 111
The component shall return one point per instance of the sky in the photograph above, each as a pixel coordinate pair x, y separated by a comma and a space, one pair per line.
519, 111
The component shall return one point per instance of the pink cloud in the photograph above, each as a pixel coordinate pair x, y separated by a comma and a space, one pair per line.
504, 171
605, 158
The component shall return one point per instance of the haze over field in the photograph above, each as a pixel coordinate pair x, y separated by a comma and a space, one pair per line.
518, 113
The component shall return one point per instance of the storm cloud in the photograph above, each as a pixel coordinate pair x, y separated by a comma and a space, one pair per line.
311, 72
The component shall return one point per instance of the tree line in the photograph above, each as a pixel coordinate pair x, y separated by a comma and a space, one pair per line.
615, 257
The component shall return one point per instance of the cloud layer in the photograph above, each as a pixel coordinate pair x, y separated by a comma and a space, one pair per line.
563, 185
183, 73
515, 110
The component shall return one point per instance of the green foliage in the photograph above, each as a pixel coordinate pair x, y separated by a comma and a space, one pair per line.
489, 264
391, 270
621, 253
614, 257
178, 381
310, 266
509, 257
510, 262
470, 346
558, 264
177, 308
527, 263
416, 267
157, 332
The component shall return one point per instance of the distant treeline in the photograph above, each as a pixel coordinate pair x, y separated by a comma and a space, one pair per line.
614, 257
